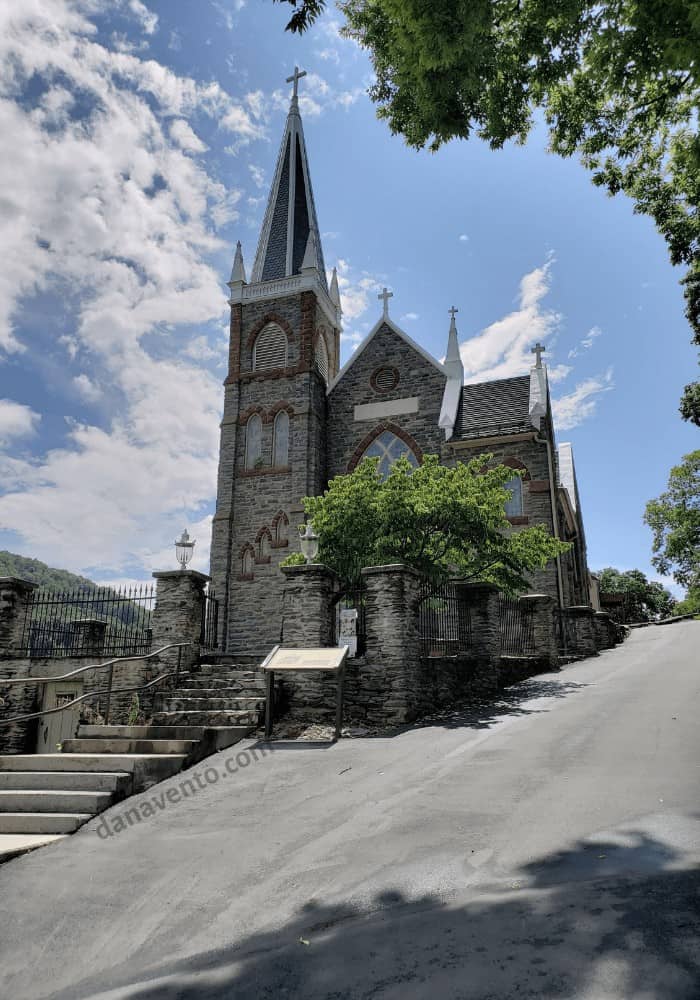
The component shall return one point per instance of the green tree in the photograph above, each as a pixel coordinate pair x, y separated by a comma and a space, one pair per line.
441, 521
617, 81
645, 600
674, 518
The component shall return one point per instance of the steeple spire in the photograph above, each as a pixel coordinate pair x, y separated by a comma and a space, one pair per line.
335, 291
453, 359
454, 368
238, 270
290, 218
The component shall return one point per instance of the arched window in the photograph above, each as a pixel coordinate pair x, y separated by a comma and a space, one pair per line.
514, 506
264, 540
280, 524
321, 357
280, 439
388, 448
270, 350
253, 441
247, 562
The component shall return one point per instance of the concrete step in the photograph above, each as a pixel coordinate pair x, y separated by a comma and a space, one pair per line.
127, 746
141, 732
42, 822
52, 801
14, 844
224, 673
115, 783
217, 687
184, 701
85, 762
219, 718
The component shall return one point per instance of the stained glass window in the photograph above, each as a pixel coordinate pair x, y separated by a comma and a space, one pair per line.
253, 441
388, 448
514, 506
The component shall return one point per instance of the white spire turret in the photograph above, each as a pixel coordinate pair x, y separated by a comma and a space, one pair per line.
335, 291
310, 261
454, 367
238, 270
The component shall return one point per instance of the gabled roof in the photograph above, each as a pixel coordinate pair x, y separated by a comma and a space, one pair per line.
502, 406
385, 321
290, 216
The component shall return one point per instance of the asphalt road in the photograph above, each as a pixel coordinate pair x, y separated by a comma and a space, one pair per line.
547, 847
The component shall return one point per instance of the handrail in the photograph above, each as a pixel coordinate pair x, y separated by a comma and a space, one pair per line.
108, 691
91, 666
82, 697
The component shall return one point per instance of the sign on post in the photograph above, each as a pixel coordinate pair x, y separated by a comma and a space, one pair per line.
326, 660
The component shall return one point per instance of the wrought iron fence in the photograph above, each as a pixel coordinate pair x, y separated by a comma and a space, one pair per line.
444, 622
87, 621
517, 628
565, 631
209, 638
352, 598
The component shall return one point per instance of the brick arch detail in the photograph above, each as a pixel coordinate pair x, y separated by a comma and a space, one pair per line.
279, 543
263, 531
514, 463
245, 415
270, 317
385, 425
269, 417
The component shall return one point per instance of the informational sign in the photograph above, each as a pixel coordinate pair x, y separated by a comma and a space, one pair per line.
306, 659
347, 631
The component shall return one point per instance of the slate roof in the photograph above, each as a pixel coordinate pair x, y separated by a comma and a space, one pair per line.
292, 164
494, 407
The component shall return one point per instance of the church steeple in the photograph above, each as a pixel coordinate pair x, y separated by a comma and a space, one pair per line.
290, 225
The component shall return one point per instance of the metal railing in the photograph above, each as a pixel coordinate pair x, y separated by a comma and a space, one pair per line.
88, 621
108, 691
444, 622
517, 628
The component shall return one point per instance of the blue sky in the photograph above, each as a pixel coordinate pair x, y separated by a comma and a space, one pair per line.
140, 140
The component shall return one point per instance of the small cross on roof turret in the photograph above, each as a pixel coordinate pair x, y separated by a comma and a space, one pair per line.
538, 350
295, 78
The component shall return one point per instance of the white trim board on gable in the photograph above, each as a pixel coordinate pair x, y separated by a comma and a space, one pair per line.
370, 336
386, 408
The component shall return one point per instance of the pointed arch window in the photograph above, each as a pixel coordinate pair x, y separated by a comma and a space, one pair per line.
321, 357
253, 441
514, 506
280, 439
280, 525
247, 562
270, 349
388, 448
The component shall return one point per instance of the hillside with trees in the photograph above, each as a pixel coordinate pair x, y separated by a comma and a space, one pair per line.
38, 572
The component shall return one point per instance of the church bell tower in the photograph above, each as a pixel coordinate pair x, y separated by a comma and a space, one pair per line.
284, 349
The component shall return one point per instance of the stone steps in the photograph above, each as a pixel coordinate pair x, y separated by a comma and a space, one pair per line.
42, 822
125, 745
189, 701
138, 766
51, 800
113, 782
207, 718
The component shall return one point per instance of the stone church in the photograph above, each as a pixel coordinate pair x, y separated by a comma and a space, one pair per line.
293, 418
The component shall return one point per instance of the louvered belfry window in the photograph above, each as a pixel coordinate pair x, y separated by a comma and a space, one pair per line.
321, 358
270, 348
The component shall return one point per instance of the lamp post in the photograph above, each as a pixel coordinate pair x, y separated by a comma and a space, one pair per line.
309, 543
184, 549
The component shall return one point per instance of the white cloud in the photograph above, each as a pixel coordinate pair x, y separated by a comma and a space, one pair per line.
148, 20
580, 404
356, 291
86, 388
329, 55
587, 342
16, 421
111, 205
316, 95
200, 350
409, 317
503, 348
258, 175
183, 136
463, 238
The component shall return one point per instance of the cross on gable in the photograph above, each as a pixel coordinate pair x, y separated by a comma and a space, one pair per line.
385, 295
539, 350
295, 78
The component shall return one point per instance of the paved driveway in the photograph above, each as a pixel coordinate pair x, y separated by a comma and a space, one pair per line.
547, 847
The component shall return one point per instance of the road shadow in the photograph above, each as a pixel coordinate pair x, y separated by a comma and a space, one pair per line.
633, 932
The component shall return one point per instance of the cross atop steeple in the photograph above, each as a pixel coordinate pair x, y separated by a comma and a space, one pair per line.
295, 78
452, 311
385, 295
539, 350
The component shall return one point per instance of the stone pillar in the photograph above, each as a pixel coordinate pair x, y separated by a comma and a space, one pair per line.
307, 609
391, 609
540, 607
582, 617
603, 630
15, 600
481, 602
89, 636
